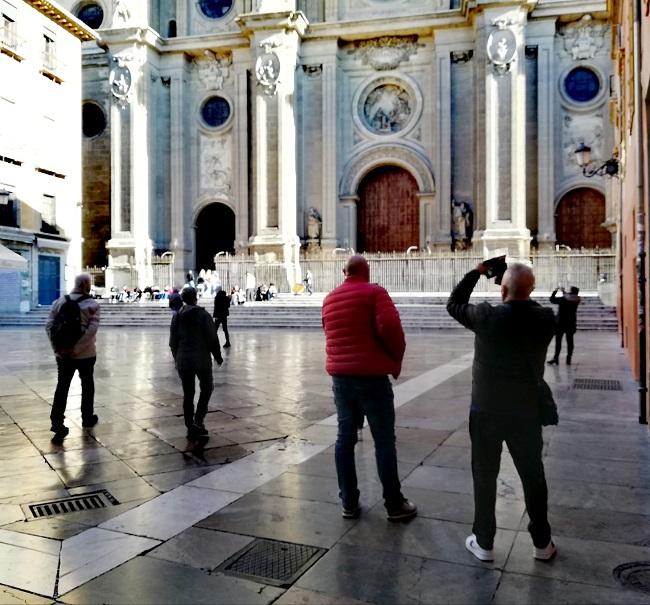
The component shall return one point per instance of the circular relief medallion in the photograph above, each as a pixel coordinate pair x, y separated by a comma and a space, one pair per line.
582, 85
386, 108
119, 80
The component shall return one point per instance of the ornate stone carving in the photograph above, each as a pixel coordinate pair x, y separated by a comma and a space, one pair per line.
216, 170
121, 13
501, 47
387, 108
267, 69
584, 38
587, 129
120, 80
213, 68
386, 52
461, 224
314, 227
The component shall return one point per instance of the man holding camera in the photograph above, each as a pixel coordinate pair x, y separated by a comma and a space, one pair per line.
510, 346
567, 304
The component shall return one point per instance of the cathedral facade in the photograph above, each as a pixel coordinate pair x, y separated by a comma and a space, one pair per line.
270, 126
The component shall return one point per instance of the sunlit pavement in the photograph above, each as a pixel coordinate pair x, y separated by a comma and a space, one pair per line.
267, 471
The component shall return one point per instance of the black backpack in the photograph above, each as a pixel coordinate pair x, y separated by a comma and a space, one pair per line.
66, 328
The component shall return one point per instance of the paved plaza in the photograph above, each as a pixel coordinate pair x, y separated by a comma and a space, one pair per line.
267, 471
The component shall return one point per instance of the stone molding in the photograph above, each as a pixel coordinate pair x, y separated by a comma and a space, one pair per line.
382, 155
385, 52
584, 38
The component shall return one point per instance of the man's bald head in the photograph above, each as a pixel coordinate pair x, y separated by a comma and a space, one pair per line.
518, 282
357, 265
83, 282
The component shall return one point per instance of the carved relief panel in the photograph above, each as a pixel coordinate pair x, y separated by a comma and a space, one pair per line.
215, 166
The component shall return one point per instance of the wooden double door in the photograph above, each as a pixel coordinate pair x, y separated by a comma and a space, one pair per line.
579, 218
388, 211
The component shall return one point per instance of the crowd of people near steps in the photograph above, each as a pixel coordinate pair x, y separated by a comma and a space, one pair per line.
364, 347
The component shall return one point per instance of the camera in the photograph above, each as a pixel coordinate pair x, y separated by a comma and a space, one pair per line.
496, 267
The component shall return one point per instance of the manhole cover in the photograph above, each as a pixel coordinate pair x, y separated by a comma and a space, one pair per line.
271, 562
73, 504
597, 384
634, 575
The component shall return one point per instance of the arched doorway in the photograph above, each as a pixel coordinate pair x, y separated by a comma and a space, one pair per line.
388, 212
215, 232
579, 218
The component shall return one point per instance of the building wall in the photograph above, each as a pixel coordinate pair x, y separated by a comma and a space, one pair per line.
40, 141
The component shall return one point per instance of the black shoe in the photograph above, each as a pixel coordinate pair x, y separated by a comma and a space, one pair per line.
90, 422
200, 430
351, 512
60, 433
226, 346
552, 362
406, 510
568, 361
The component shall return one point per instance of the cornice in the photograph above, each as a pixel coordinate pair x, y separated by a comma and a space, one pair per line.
285, 20
63, 19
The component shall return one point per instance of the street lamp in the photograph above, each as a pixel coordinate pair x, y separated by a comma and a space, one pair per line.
583, 157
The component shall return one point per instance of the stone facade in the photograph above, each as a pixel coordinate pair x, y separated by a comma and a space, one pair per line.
40, 145
271, 108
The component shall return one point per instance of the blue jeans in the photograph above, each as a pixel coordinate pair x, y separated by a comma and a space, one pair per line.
372, 397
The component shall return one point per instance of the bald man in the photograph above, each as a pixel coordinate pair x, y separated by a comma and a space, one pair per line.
510, 346
364, 342
78, 356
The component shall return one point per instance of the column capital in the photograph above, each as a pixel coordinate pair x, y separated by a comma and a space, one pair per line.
349, 199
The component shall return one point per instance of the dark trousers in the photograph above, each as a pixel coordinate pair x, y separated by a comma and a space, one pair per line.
558, 342
523, 437
206, 385
66, 367
223, 322
371, 397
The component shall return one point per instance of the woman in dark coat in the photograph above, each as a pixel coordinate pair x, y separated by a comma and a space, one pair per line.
220, 314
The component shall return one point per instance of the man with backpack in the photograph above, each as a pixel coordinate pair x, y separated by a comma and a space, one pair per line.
72, 328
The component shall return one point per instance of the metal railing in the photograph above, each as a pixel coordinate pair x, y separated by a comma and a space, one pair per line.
421, 272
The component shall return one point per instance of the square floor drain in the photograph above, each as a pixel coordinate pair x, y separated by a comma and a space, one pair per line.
271, 562
597, 384
73, 504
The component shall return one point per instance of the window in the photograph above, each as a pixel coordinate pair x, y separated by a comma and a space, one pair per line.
8, 32
582, 85
48, 214
215, 111
215, 9
49, 51
92, 14
93, 120
8, 209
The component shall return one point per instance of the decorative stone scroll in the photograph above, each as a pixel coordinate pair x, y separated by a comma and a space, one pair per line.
120, 80
386, 52
213, 68
584, 38
267, 69
501, 47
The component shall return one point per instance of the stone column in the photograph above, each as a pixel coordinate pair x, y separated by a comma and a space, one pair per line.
427, 221
130, 245
330, 138
349, 220
241, 64
542, 35
500, 46
276, 39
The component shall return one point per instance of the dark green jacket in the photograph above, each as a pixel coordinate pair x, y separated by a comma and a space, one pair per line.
509, 350
193, 339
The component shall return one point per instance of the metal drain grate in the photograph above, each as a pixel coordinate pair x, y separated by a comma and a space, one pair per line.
271, 562
634, 575
90, 501
597, 384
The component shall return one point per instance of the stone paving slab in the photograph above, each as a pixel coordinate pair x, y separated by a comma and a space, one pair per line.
268, 471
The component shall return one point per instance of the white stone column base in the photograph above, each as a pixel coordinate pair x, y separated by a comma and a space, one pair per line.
515, 241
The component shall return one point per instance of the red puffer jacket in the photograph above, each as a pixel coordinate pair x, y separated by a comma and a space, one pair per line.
363, 331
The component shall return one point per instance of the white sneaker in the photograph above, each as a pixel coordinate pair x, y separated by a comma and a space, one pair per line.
545, 554
480, 553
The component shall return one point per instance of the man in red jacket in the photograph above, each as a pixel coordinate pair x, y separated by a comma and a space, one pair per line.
364, 344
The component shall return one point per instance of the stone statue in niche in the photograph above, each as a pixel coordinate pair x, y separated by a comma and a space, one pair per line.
461, 225
387, 109
314, 226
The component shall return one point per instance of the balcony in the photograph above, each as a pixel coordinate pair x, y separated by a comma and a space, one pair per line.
52, 67
10, 43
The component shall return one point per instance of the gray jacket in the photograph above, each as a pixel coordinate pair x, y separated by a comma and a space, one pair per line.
85, 347
510, 346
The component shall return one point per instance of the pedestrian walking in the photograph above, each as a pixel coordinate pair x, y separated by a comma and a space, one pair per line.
309, 282
220, 314
72, 329
510, 344
175, 301
567, 310
193, 341
364, 345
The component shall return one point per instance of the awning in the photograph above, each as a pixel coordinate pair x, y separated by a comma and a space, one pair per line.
11, 260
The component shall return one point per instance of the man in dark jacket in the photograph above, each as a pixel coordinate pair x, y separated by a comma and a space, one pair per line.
364, 344
510, 346
566, 322
220, 314
193, 341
